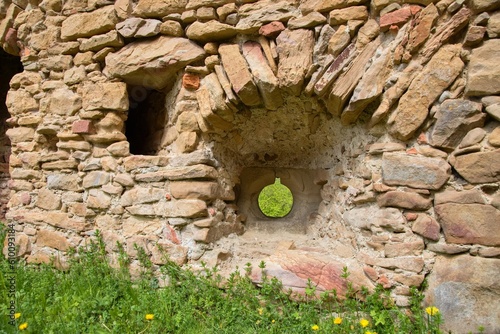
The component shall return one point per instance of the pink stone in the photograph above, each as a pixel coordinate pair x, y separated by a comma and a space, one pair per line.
190, 81
272, 30
83, 127
398, 17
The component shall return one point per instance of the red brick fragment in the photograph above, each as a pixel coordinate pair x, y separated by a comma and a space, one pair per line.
82, 127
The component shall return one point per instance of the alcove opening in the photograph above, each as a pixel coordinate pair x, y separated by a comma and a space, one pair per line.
146, 120
293, 195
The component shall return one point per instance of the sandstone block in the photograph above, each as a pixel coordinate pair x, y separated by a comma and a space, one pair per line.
310, 20
150, 63
414, 171
153, 8
62, 101
63, 182
98, 42
93, 23
48, 200
19, 102
481, 167
210, 31
412, 248
427, 227
494, 137
141, 195
483, 5
105, 96
427, 86
372, 216
194, 190
95, 179
144, 161
483, 77
458, 281
239, 75
253, 16
341, 16
171, 28
191, 81
266, 81
164, 251
52, 239
327, 5
20, 134
185, 208
410, 263
454, 119
459, 197
469, 223
98, 200
295, 49
139, 225
472, 137
119, 149
405, 200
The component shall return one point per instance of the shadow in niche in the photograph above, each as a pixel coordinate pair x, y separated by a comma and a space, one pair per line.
146, 120
9, 66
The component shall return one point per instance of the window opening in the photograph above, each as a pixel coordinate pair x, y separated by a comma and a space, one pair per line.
146, 120
275, 200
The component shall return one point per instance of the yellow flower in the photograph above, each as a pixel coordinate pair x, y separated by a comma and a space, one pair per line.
315, 327
432, 310
273, 321
150, 316
260, 310
368, 332
17, 315
23, 326
364, 323
337, 321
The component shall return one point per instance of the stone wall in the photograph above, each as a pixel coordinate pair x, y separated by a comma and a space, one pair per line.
137, 118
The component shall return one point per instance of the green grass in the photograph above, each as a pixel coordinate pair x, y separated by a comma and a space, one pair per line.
92, 297
275, 200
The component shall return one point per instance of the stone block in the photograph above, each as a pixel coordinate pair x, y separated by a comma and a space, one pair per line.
88, 24
469, 223
414, 171
481, 167
194, 190
405, 200
463, 288
239, 75
52, 239
48, 200
427, 227
105, 96
483, 76
186, 208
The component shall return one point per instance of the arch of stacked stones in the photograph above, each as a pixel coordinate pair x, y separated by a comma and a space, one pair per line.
158, 122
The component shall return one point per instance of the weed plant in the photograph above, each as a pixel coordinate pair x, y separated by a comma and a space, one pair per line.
92, 297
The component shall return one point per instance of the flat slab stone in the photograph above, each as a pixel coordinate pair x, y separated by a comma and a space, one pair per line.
469, 223
239, 75
483, 77
210, 31
454, 119
480, 167
414, 171
295, 50
436, 76
89, 24
464, 288
152, 63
